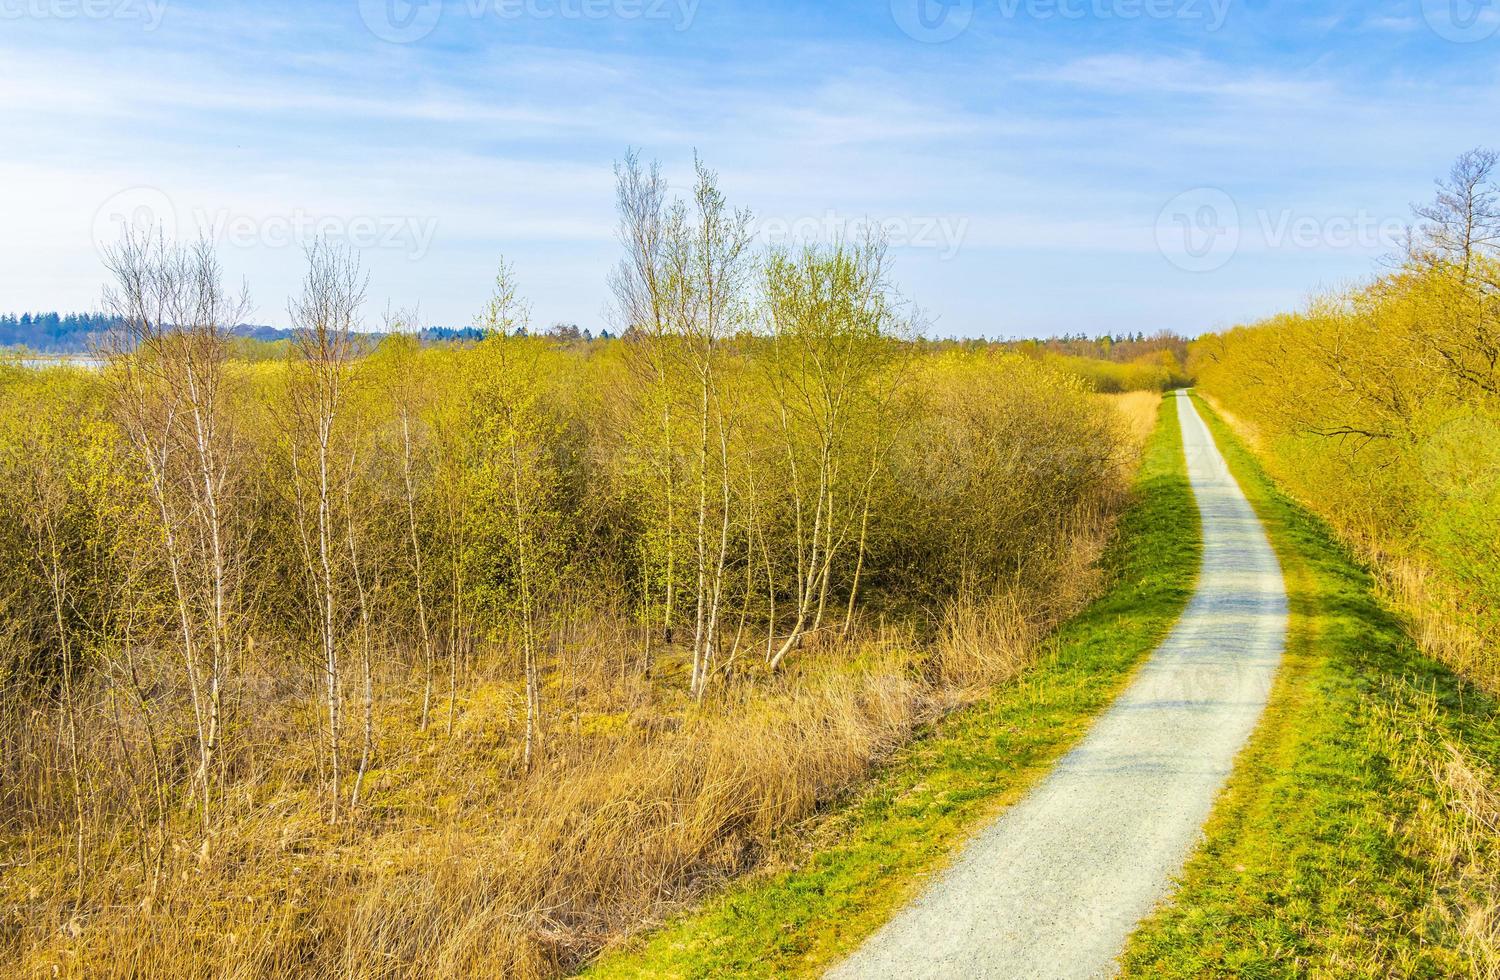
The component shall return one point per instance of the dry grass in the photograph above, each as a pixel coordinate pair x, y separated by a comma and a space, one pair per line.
1456, 829
991, 640
1138, 410
1436, 614
460, 864
1472, 797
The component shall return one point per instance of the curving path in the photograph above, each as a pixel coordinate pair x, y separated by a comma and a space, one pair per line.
1054, 887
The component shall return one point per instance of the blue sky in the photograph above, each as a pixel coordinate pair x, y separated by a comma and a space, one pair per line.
1042, 166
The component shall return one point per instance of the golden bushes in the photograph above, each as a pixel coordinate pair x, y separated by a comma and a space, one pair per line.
1380, 409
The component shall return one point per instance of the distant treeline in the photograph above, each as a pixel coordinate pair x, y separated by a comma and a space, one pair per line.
1107, 363
53, 333
77, 333
1122, 349
1111, 365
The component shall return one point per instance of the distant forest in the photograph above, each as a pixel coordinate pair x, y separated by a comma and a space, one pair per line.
76, 333
53, 333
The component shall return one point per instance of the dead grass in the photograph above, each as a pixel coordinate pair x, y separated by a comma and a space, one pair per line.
1457, 829
1472, 795
1435, 615
1138, 411
460, 864
990, 640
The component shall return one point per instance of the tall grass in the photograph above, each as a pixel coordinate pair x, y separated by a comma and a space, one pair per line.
1457, 828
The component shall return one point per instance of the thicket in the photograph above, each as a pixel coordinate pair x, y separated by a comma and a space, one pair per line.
1161, 371
389, 659
1380, 407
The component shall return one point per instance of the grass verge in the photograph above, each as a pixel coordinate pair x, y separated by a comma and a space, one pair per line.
869, 857
1358, 834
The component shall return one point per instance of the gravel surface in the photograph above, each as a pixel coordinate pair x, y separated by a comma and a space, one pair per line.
1054, 887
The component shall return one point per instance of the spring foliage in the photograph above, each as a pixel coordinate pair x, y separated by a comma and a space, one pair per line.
433, 658
1380, 406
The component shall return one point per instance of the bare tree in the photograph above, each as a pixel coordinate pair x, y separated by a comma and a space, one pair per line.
1464, 218
643, 289
1459, 242
407, 391
710, 257
174, 399
323, 349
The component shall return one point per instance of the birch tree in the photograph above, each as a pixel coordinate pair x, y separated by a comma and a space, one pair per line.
319, 378
174, 396
709, 256
646, 298
516, 483
833, 321
408, 388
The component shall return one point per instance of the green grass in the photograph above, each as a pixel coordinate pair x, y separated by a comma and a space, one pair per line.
1320, 858
872, 855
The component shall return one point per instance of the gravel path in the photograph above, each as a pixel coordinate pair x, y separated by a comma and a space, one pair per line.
1054, 887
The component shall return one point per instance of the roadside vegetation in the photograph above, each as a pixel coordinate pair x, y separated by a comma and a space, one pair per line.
1379, 408
1358, 835
356, 656
1158, 371
822, 893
